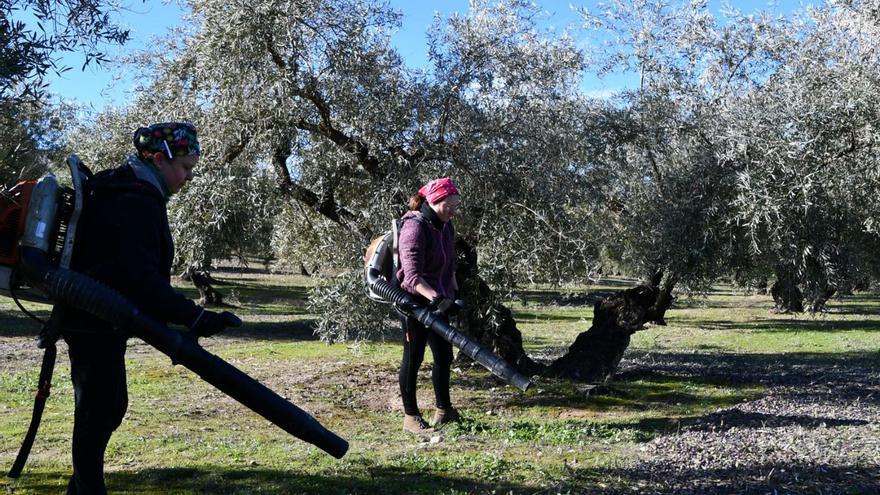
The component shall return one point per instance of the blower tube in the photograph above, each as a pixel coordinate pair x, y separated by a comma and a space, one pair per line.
469, 347
79, 291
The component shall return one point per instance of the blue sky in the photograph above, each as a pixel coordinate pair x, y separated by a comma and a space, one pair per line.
97, 87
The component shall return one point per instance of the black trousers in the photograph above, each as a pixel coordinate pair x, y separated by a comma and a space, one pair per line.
416, 336
97, 367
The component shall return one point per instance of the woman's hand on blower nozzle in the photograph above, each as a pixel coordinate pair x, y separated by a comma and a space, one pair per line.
446, 306
210, 323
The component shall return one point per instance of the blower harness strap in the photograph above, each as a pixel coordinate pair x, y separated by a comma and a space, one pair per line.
23, 309
47, 339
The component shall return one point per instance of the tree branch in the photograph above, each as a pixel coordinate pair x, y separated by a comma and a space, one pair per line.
235, 150
349, 144
325, 204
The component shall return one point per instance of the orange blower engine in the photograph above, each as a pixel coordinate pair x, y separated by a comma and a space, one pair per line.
57, 208
13, 210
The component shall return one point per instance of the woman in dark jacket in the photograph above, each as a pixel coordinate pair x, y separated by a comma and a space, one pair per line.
124, 242
427, 270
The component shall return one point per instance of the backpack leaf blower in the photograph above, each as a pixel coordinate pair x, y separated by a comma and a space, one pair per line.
379, 265
37, 235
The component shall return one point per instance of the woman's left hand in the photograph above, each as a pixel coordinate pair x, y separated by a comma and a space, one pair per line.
446, 306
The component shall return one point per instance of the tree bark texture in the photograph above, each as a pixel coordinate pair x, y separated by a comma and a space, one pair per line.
818, 297
202, 281
664, 286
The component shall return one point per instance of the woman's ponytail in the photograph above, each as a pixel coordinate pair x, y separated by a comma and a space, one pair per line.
415, 202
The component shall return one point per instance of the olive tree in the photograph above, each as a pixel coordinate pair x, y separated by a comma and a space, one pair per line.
315, 92
669, 183
729, 140
807, 139
312, 97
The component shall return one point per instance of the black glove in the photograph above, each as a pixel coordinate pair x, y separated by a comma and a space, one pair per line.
405, 308
210, 323
446, 306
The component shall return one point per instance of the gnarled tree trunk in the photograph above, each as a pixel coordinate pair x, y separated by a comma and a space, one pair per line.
202, 280
664, 284
786, 294
595, 354
486, 319
818, 297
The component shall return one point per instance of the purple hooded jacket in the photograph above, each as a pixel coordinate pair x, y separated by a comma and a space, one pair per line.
428, 252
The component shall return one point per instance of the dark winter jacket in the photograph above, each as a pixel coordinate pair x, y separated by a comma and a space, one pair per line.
123, 240
427, 250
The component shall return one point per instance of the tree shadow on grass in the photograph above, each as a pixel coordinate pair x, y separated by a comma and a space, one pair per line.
225, 481
736, 418
818, 324
533, 317
262, 299
707, 304
844, 376
862, 304
633, 396
851, 310
733, 368
848, 377
286, 330
727, 419
254, 290
14, 323
653, 378
671, 384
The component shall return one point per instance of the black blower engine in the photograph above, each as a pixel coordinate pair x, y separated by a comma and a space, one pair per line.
379, 265
37, 233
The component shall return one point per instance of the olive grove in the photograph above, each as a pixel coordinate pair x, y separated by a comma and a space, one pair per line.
748, 151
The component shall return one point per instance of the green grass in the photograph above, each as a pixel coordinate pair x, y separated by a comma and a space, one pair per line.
181, 436
728, 322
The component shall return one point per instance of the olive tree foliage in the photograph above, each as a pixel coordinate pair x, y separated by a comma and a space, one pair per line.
31, 139
224, 212
522, 142
748, 147
501, 116
807, 139
314, 92
32, 33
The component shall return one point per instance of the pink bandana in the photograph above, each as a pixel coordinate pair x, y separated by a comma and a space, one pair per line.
438, 189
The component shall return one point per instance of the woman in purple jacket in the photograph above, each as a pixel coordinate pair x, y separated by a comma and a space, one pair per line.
427, 270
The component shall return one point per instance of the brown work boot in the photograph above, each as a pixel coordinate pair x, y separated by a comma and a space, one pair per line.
416, 424
445, 416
